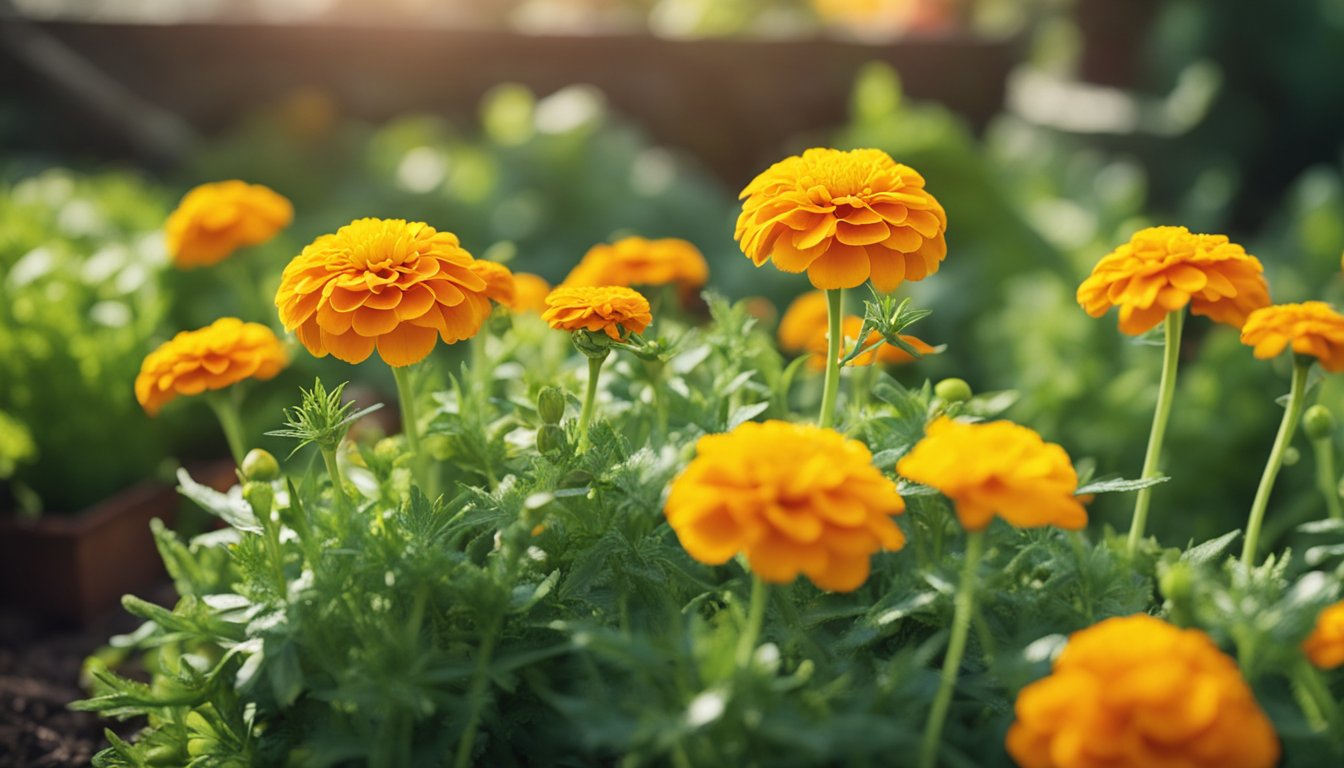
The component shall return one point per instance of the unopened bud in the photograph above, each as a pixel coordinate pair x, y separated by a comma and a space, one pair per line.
551, 405
387, 450
953, 390
1291, 456
1318, 422
261, 466
550, 438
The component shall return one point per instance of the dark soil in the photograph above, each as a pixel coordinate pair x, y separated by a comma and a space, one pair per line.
39, 676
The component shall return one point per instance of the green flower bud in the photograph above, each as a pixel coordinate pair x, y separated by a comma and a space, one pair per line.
1318, 422
551, 405
261, 497
953, 390
387, 450
261, 466
551, 438
1291, 456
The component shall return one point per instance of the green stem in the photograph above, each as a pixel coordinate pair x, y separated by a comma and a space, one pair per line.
956, 649
746, 643
1165, 395
410, 426
1326, 480
586, 415
835, 302
1316, 695
337, 485
479, 680
1291, 415
863, 385
225, 406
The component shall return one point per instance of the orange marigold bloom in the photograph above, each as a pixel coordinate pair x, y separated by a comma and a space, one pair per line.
214, 220
529, 292
886, 354
385, 283
999, 468
1324, 647
1161, 269
499, 285
1311, 328
612, 309
844, 217
805, 318
634, 261
214, 357
793, 498
1135, 692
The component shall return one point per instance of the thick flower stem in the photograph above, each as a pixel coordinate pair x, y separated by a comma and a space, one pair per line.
1291, 415
1165, 395
225, 407
835, 300
337, 485
956, 649
1326, 480
590, 397
410, 427
746, 643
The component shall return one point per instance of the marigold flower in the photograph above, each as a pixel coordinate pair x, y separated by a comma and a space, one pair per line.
886, 354
1311, 328
793, 498
529, 292
1134, 692
801, 323
214, 357
635, 261
1324, 647
1162, 269
216, 219
999, 468
612, 309
499, 285
844, 217
385, 283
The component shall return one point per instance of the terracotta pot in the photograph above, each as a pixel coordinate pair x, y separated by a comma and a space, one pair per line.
74, 568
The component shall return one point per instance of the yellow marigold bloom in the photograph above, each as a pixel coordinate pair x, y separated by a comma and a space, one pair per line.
1136, 692
886, 354
529, 292
214, 220
214, 357
1324, 647
1162, 269
844, 217
385, 283
635, 261
499, 285
999, 468
793, 498
1310, 328
611, 309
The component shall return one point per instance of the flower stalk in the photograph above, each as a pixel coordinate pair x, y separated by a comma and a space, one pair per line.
1319, 424
589, 398
956, 650
225, 406
835, 299
1291, 415
746, 643
1166, 393
410, 426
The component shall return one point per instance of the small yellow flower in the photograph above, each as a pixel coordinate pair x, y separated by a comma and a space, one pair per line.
214, 220
793, 498
1324, 647
499, 284
638, 261
614, 310
1136, 692
1312, 328
530, 292
843, 217
1162, 269
998, 468
214, 357
388, 284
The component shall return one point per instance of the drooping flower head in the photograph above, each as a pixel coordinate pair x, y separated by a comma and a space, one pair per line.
1311, 328
996, 468
1162, 269
614, 310
843, 217
793, 498
1324, 647
216, 219
388, 284
1134, 692
529, 292
499, 285
214, 357
636, 261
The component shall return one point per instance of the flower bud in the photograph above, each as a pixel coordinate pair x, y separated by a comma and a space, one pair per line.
1176, 582
1291, 456
551, 438
551, 405
261, 466
953, 390
1318, 422
261, 497
387, 450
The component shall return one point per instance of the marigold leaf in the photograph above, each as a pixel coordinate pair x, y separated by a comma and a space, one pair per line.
1120, 485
